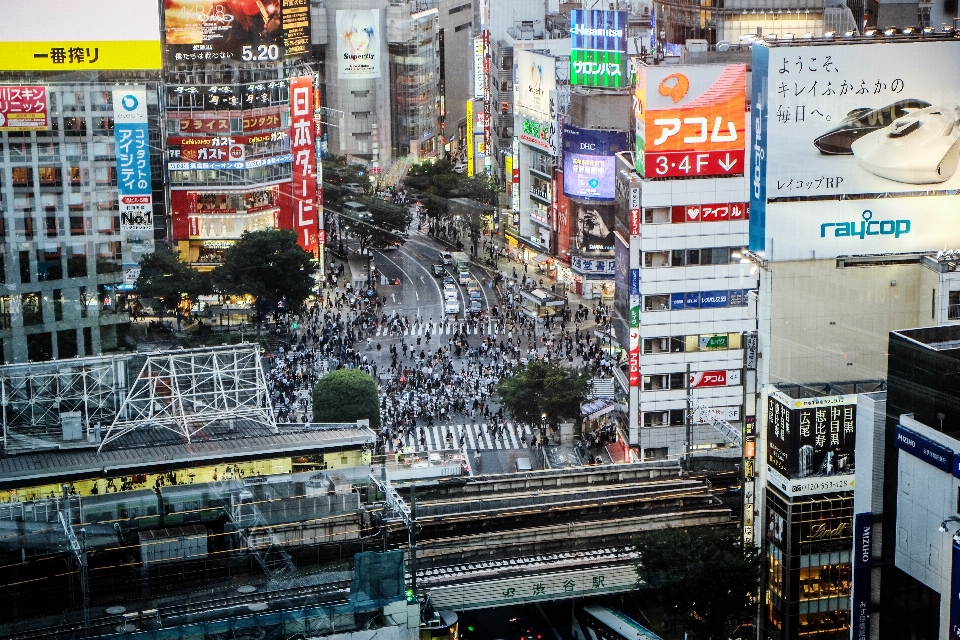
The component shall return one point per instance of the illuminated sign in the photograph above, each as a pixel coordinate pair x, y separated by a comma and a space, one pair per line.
542, 135
24, 108
691, 122
536, 79
589, 176
721, 378
593, 266
65, 35
296, 27
727, 212
479, 79
812, 437
304, 162
598, 48
248, 31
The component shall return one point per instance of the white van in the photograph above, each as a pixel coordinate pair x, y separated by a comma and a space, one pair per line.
451, 306
356, 210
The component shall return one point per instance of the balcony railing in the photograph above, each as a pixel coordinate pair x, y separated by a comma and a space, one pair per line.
953, 312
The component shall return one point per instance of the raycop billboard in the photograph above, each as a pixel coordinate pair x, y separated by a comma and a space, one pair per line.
810, 442
854, 149
66, 35
598, 52
589, 165
690, 121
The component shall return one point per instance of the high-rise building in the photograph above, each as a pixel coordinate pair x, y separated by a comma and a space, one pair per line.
80, 172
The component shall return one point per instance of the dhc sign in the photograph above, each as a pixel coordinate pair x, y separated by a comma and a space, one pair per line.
867, 227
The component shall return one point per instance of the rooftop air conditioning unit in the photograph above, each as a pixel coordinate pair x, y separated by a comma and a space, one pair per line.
697, 45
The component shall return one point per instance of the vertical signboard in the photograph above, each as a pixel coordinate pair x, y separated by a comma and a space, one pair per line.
358, 43
469, 138
955, 591
479, 79
134, 186
487, 134
304, 162
24, 108
598, 48
296, 27
862, 551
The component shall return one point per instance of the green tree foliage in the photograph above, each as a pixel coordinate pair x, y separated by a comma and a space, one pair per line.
539, 388
337, 172
346, 395
164, 277
388, 223
270, 266
704, 577
481, 188
437, 178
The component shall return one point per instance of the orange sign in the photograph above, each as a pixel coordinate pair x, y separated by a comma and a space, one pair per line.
693, 125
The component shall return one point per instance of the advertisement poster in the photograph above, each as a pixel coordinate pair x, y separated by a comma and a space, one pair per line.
134, 184
536, 78
589, 164
215, 30
691, 123
811, 437
479, 79
296, 27
66, 35
598, 48
304, 162
24, 108
860, 121
594, 225
358, 43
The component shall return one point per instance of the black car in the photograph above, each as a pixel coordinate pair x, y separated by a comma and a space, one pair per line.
439, 271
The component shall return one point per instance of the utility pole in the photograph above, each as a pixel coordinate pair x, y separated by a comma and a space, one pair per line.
412, 530
687, 421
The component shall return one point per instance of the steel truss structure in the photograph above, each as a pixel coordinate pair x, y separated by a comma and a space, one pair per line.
189, 390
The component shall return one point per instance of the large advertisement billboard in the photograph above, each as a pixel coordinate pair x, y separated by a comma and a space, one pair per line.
690, 121
536, 78
66, 35
217, 30
304, 162
134, 184
811, 437
593, 230
589, 165
598, 42
358, 43
24, 108
858, 121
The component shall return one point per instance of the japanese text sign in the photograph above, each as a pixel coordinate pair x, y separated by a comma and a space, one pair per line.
304, 162
24, 108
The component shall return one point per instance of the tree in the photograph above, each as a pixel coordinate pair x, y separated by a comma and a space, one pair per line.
388, 223
481, 188
270, 266
164, 277
703, 576
437, 178
346, 395
543, 388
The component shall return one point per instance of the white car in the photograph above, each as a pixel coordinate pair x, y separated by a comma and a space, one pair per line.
451, 307
449, 290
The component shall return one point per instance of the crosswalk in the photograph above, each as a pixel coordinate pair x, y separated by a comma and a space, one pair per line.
443, 329
477, 437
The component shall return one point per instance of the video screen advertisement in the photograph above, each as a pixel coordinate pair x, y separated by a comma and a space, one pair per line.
236, 30
598, 52
691, 122
66, 35
811, 438
845, 138
589, 165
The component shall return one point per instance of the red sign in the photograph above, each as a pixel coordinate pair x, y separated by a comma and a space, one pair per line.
711, 212
24, 108
687, 164
262, 119
322, 237
634, 222
635, 367
304, 162
232, 153
727, 378
205, 124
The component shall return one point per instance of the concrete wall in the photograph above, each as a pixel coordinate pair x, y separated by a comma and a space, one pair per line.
457, 61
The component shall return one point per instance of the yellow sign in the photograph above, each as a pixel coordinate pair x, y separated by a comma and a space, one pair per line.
102, 55
469, 138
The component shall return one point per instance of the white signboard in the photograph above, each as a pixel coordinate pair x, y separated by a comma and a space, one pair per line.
478, 76
809, 486
536, 78
358, 43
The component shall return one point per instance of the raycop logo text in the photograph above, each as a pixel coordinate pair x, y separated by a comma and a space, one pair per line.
868, 227
758, 152
580, 30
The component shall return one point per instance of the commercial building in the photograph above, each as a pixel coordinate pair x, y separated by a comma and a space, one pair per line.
79, 162
685, 293
846, 217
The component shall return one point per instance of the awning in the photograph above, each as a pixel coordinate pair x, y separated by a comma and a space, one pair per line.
597, 408
539, 258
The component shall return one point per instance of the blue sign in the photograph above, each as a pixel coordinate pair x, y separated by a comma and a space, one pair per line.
714, 299
927, 450
634, 282
597, 30
862, 551
757, 150
676, 301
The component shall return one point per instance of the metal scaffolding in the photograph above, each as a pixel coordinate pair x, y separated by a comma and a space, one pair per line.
187, 391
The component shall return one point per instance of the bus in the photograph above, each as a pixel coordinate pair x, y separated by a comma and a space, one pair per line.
594, 622
462, 265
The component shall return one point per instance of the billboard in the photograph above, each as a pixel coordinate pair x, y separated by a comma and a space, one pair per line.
690, 122
719, 378
589, 164
304, 162
24, 108
358, 43
854, 121
217, 30
536, 79
134, 184
479, 78
296, 27
65, 35
811, 437
594, 225
538, 133
598, 42
724, 212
